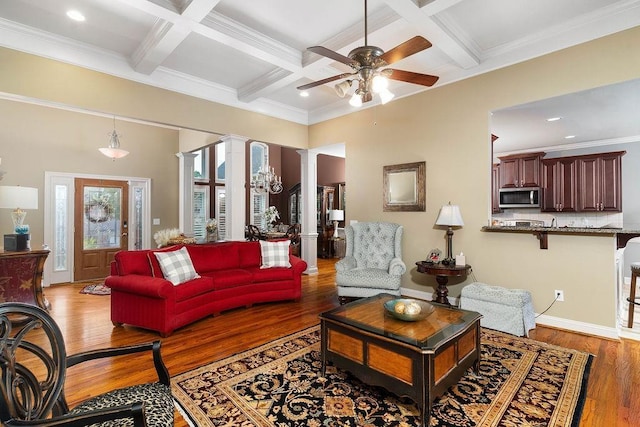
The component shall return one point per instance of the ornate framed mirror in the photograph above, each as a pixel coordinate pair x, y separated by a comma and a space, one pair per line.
404, 187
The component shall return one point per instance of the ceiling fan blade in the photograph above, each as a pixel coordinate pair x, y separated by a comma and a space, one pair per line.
415, 78
408, 48
333, 55
323, 81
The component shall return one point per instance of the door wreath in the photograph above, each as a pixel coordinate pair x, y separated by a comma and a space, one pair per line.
98, 211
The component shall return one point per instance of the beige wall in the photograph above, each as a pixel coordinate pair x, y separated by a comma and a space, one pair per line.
191, 140
448, 127
41, 78
36, 139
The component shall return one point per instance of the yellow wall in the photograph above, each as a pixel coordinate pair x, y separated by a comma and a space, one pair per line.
448, 127
41, 78
35, 139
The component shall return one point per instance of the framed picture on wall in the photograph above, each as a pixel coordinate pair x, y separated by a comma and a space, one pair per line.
404, 187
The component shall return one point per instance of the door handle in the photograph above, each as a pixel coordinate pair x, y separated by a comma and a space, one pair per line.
124, 234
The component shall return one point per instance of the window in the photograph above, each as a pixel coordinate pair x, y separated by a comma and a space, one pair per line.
61, 213
200, 211
221, 212
220, 163
201, 164
259, 154
137, 215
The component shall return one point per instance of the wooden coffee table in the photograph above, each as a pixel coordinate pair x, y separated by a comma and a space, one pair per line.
420, 360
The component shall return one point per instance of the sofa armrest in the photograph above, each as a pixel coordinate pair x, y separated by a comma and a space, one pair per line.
156, 287
397, 267
345, 264
298, 264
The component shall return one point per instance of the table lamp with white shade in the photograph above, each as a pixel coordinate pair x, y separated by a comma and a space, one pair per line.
450, 217
336, 215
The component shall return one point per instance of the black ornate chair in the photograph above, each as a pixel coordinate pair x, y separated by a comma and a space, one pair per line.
254, 233
33, 363
293, 234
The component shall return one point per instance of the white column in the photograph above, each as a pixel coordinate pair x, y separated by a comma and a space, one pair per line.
185, 193
235, 188
308, 186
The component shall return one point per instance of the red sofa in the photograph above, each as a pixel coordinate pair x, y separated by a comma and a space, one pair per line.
230, 277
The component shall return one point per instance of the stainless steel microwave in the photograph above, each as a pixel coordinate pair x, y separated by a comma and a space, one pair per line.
526, 197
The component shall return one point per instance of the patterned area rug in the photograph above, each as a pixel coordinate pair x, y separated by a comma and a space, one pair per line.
96, 289
522, 382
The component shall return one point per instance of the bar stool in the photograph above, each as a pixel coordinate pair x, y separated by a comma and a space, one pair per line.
635, 271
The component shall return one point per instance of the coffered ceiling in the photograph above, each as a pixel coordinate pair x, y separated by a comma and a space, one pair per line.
251, 54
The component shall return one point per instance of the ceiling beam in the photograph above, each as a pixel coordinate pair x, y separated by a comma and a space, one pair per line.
233, 34
312, 63
428, 26
166, 36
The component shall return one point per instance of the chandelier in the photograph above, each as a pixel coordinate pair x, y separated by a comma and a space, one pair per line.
265, 182
113, 150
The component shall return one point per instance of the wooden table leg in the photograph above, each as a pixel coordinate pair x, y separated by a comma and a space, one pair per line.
442, 289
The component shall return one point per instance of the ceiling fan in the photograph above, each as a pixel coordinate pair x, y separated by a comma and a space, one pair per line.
368, 63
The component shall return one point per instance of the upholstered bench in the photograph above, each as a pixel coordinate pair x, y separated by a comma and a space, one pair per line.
506, 310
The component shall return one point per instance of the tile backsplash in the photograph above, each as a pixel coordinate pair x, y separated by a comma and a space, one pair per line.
577, 219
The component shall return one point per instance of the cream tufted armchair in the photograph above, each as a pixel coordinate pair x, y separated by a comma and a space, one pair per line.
373, 262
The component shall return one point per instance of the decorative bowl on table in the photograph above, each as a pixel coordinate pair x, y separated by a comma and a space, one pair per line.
408, 309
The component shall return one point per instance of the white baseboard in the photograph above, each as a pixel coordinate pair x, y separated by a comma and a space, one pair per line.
582, 327
556, 322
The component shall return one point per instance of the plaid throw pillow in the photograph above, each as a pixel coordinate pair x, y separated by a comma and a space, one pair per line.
275, 254
176, 266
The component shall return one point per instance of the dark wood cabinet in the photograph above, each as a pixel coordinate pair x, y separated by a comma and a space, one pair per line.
21, 277
560, 185
589, 183
295, 213
521, 170
495, 188
600, 182
325, 200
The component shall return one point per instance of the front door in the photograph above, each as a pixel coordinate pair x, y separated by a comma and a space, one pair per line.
101, 212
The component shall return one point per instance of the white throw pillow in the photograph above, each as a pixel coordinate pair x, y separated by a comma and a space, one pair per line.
275, 254
176, 266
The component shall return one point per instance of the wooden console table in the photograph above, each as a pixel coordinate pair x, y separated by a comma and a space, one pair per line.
442, 273
21, 277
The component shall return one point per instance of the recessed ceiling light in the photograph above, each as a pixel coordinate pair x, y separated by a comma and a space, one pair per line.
304, 94
569, 137
553, 119
76, 15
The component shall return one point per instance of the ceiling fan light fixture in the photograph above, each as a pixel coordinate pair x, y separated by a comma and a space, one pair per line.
385, 96
356, 100
367, 63
379, 83
342, 88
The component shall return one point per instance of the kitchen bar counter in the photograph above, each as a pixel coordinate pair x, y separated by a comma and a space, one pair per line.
622, 234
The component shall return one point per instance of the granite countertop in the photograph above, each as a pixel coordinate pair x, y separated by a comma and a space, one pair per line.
561, 230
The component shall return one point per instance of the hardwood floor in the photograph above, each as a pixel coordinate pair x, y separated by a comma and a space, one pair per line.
613, 394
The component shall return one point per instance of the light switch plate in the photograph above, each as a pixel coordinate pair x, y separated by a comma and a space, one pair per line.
156, 221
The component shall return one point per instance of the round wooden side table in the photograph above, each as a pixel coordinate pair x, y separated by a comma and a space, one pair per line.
442, 273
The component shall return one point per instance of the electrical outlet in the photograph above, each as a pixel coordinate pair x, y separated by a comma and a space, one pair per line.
559, 295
